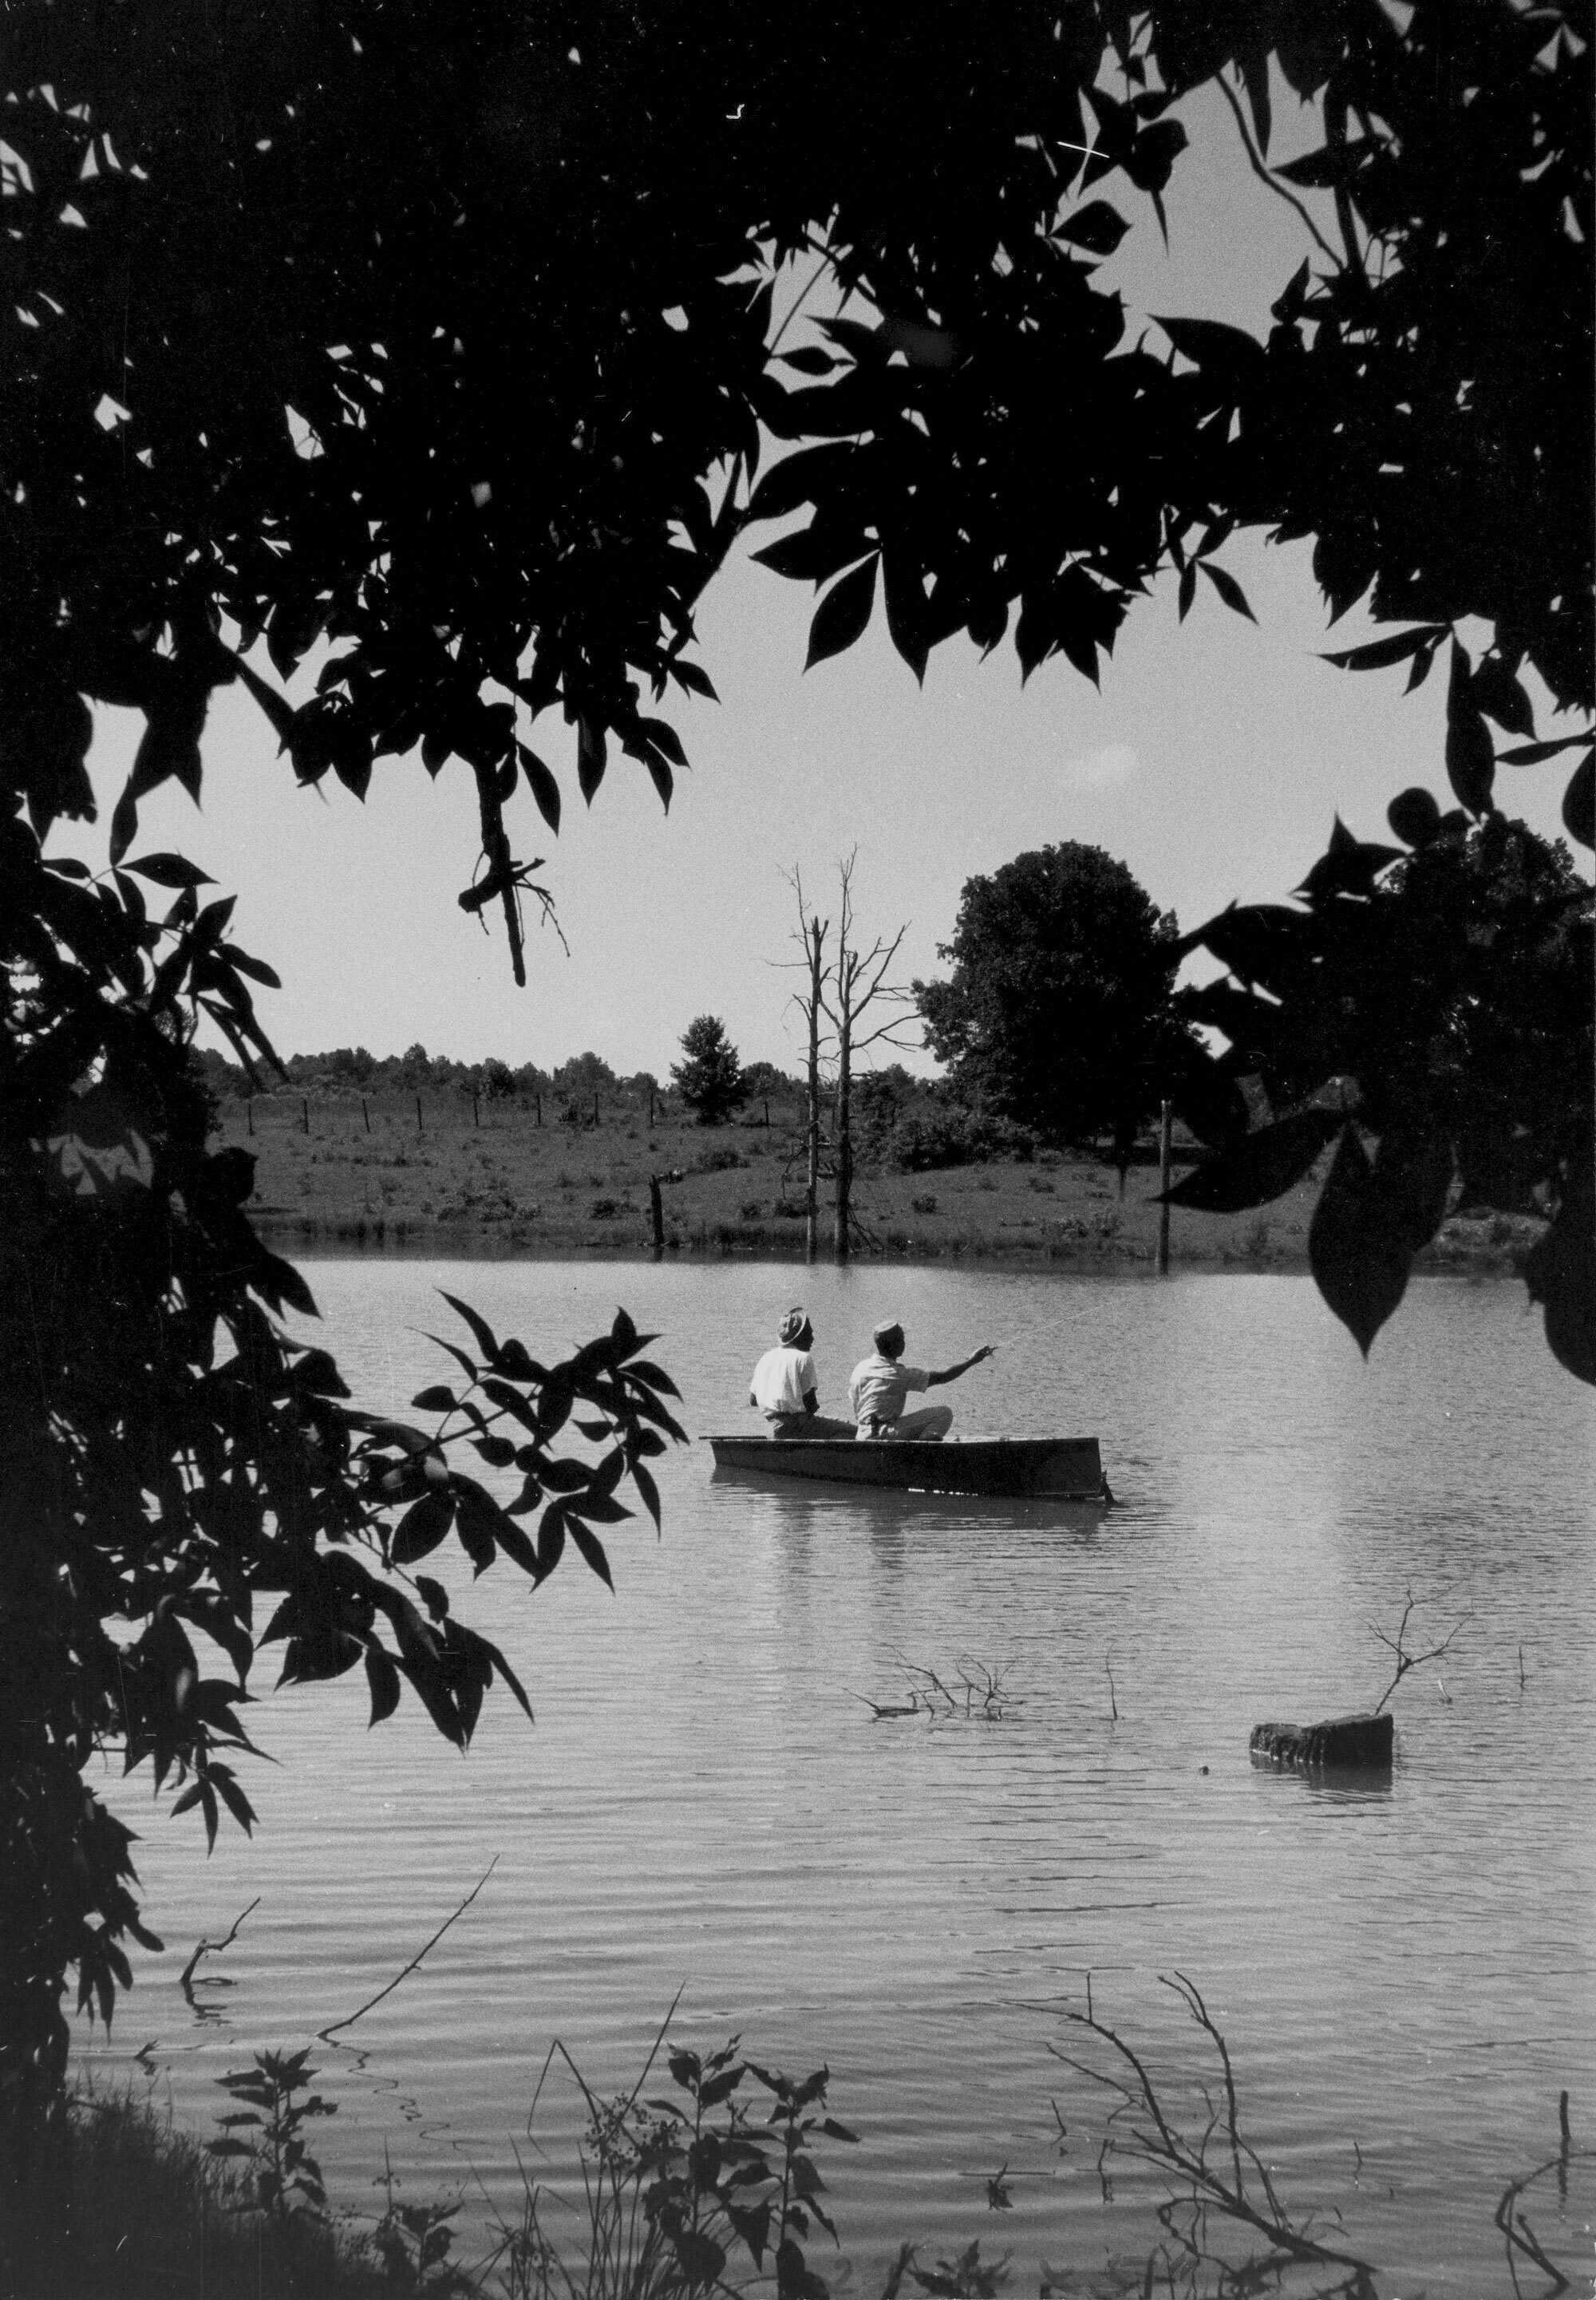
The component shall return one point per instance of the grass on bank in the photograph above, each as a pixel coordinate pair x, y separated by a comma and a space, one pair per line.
141, 2211
375, 1174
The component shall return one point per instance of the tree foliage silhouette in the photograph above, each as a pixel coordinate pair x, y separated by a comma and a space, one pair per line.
414, 368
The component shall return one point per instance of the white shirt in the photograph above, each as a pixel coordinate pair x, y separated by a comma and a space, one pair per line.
780, 1379
880, 1387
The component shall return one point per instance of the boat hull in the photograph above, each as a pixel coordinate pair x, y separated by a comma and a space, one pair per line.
1059, 1468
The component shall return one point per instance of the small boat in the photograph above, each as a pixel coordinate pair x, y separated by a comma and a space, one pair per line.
1057, 1469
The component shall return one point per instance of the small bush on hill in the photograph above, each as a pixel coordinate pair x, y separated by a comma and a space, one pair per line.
923, 1140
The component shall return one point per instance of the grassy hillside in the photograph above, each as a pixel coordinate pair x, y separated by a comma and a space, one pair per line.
334, 1170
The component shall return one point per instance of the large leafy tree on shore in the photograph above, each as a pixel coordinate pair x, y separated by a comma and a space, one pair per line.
1059, 1011
424, 358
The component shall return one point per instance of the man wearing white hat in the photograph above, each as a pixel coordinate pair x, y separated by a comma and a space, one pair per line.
786, 1386
880, 1387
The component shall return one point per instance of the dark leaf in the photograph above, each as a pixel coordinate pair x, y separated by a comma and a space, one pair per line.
1262, 943
550, 1539
1470, 753
592, 1549
1358, 1261
544, 789
802, 477
566, 1477
1261, 1167
1413, 1178
662, 736
439, 1399
843, 614
1229, 588
1097, 227
1378, 654
1210, 1100
699, 2256
643, 1481
422, 1528
282, 712
474, 1534
601, 1509
1530, 754
654, 1376
1348, 867
1415, 816
383, 1679
1579, 803
1227, 355
811, 360
481, 1330
1424, 662
1331, 166
592, 751
1560, 1273
255, 967
813, 553
170, 870
1498, 692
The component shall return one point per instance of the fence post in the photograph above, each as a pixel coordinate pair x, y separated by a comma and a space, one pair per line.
365, 1114
476, 1108
418, 1113
1164, 1191
657, 1214
537, 1098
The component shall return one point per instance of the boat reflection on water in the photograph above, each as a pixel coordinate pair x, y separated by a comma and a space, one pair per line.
787, 1501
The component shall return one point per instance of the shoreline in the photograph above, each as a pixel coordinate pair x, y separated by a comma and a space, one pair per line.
389, 1176
1473, 1248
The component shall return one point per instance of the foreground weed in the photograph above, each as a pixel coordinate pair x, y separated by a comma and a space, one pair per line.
284, 2177
677, 2189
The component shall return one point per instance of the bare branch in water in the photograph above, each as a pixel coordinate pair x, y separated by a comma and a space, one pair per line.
1518, 2236
333, 2027
1219, 2171
972, 1690
1398, 1645
213, 1948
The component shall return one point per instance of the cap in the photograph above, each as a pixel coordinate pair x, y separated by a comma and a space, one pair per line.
889, 1330
792, 1326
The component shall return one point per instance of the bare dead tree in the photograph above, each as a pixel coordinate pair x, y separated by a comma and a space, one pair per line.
859, 980
1398, 1645
812, 931
1216, 2174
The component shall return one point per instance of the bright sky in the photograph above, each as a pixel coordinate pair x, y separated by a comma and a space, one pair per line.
1212, 762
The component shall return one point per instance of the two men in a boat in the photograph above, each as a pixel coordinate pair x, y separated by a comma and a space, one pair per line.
786, 1387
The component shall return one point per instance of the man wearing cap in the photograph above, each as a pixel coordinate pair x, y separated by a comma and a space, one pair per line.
880, 1387
786, 1387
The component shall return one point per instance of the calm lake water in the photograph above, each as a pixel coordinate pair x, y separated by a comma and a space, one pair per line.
1403, 1971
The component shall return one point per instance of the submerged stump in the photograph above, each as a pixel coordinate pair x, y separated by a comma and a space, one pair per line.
1333, 1741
